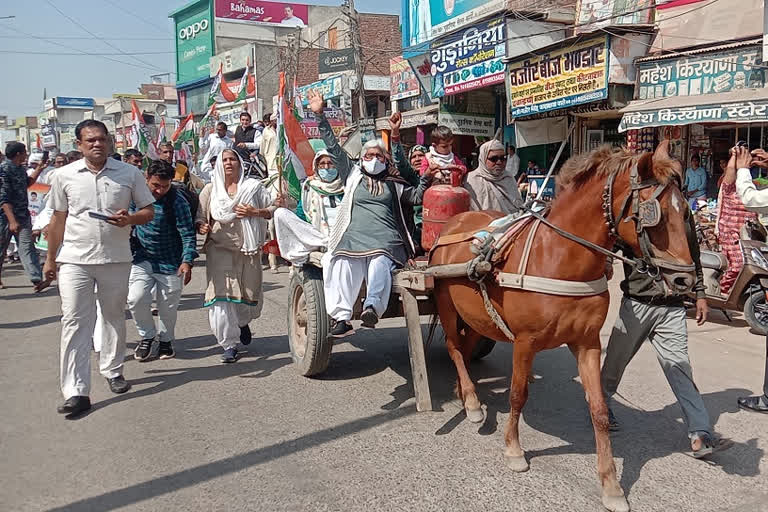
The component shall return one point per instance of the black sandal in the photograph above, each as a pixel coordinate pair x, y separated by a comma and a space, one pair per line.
754, 404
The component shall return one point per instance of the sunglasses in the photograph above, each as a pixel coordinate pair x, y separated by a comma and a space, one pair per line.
495, 159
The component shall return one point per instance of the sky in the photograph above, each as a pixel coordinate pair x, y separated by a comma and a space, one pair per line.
42, 49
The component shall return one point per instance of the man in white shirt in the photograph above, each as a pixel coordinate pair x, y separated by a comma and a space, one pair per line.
513, 162
291, 19
214, 144
754, 200
95, 259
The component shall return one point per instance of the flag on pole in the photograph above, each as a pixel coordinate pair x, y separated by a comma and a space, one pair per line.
293, 145
139, 134
38, 142
208, 123
185, 132
297, 101
232, 92
161, 133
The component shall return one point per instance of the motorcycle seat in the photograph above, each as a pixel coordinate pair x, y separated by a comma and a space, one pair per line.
713, 260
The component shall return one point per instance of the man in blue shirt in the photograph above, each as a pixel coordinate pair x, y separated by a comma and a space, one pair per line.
695, 182
15, 220
163, 252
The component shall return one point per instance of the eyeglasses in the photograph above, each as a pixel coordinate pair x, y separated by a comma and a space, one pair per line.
495, 159
381, 158
325, 165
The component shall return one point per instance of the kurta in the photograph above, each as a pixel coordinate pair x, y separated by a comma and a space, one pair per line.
232, 276
732, 217
373, 228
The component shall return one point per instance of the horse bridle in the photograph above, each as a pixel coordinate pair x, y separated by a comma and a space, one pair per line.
645, 214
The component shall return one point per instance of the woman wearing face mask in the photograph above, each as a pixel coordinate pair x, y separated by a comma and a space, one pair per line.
309, 228
232, 214
369, 238
490, 186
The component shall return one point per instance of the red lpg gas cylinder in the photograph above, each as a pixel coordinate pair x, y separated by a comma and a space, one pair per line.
441, 202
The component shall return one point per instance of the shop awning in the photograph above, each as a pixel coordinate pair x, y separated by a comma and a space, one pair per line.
742, 106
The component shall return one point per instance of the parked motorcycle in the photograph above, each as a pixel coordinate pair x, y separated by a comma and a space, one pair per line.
748, 293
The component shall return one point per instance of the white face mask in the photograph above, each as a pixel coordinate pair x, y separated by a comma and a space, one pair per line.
374, 166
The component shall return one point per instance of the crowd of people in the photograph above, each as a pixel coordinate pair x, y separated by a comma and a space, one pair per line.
121, 231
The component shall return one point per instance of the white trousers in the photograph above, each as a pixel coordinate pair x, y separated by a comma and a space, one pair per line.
342, 280
78, 309
296, 238
141, 291
226, 318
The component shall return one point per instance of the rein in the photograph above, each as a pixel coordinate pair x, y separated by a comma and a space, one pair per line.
645, 214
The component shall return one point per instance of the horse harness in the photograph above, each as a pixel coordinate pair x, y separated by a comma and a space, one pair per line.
645, 213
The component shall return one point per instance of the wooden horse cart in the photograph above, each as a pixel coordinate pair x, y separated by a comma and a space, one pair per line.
309, 323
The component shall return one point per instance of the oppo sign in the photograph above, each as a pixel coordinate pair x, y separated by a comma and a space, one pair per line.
191, 31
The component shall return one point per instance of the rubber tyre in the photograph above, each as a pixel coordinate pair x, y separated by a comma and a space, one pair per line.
483, 348
308, 323
752, 306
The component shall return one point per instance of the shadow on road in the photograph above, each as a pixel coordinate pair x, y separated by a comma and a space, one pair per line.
205, 472
31, 323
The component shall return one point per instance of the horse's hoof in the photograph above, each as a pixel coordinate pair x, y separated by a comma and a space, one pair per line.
475, 415
616, 503
517, 464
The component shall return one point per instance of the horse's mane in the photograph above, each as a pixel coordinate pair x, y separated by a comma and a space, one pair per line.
601, 162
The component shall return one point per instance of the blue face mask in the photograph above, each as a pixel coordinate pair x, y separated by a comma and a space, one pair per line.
328, 175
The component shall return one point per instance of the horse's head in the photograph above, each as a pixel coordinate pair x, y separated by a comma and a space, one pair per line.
649, 214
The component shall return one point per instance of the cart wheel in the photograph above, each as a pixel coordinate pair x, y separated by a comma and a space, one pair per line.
483, 348
756, 312
308, 322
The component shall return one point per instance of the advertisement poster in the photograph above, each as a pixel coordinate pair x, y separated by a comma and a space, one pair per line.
335, 61
335, 118
259, 11
330, 88
404, 82
702, 74
476, 125
559, 78
194, 45
473, 60
595, 14
424, 20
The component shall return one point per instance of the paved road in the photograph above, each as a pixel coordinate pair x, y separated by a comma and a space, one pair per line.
197, 435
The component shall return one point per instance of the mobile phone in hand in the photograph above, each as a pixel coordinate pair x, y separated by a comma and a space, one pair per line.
100, 216
45, 156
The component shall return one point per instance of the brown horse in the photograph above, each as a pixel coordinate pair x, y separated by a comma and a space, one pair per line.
542, 321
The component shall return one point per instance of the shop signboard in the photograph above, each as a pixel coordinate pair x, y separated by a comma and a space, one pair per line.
476, 125
310, 123
194, 43
741, 112
49, 104
330, 88
471, 60
559, 78
263, 12
424, 20
70, 102
404, 82
694, 75
335, 61
596, 14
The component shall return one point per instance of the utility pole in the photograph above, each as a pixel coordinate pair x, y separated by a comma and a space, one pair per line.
354, 27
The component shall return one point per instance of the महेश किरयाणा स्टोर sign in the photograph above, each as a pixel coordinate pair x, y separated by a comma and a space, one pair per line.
471, 61
740, 112
693, 75
559, 78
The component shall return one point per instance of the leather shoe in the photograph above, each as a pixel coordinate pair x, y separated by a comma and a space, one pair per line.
74, 405
119, 384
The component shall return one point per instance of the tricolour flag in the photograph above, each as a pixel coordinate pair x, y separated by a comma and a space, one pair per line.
185, 132
139, 134
232, 92
293, 145
38, 142
161, 133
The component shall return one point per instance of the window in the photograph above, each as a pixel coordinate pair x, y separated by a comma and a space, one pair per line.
333, 38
